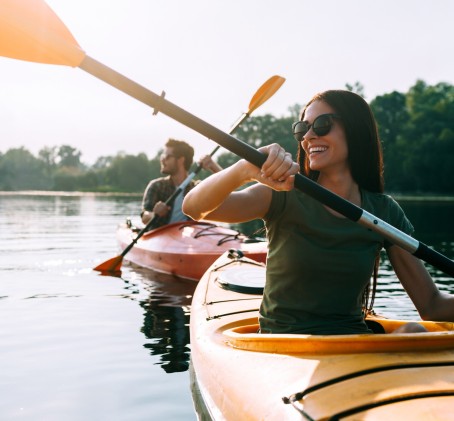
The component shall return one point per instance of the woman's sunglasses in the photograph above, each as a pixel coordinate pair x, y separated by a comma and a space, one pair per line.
321, 126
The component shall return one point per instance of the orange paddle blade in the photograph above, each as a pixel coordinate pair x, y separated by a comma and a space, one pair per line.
265, 92
110, 266
31, 31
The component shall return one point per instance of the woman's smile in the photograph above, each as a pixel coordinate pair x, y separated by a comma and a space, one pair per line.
317, 149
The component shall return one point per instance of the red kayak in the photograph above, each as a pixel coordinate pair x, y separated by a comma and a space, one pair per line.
187, 249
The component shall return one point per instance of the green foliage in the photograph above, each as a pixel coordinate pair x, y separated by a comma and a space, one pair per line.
68, 157
392, 115
357, 88
128, 173
263, 130
416, 129
65, 179
20, 170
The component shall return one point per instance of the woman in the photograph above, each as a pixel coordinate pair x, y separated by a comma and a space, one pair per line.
319, 263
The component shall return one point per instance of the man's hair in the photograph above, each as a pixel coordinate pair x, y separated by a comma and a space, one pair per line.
182, 149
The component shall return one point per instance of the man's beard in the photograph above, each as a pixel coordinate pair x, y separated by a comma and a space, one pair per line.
167, 171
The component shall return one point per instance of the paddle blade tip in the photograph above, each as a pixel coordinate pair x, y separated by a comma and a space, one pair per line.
31, 31
110, 266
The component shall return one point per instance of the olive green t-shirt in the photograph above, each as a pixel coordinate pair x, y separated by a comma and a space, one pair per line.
319, 264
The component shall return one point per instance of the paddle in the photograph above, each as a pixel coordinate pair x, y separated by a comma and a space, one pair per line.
266, 91
22, 37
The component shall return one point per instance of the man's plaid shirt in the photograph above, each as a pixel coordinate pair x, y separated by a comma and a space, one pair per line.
160, 189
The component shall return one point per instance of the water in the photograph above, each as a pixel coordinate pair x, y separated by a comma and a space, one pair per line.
434, 226
76, 345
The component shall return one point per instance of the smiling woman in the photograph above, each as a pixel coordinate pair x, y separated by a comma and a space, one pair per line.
314, 252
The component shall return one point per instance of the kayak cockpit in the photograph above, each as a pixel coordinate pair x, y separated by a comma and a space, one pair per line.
240, 277
439, 336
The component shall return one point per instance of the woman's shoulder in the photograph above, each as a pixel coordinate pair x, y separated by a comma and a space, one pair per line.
379, 200
386, 207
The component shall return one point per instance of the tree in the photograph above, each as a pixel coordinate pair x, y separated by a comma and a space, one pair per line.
129, 173
429, 136
357, 88
66, 179
263, 130
20, 170
68, 156
392, 117
49, 156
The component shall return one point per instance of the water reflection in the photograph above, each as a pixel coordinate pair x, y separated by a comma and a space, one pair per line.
166, 317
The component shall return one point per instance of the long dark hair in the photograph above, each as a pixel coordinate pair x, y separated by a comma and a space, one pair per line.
365, 155
364, 148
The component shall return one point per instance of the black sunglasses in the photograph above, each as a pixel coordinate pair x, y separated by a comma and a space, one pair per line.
321, 126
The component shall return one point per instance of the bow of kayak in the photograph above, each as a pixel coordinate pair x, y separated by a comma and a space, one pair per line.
186, 249
241, 374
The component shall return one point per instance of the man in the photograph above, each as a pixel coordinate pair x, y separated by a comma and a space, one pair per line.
176, 160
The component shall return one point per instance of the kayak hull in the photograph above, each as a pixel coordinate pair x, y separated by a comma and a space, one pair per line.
186, 249
242, 375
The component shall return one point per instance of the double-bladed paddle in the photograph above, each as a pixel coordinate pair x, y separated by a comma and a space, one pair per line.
266, 91
30, 30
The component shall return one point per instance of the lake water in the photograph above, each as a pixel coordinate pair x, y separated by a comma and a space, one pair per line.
76, 345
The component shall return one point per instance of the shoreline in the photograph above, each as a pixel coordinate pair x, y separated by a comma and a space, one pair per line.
396, 196
66, 193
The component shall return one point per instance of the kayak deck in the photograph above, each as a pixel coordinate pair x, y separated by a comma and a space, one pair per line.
374, 376
186, 249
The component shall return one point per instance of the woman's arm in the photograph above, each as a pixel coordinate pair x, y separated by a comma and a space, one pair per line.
430, 302
215, 197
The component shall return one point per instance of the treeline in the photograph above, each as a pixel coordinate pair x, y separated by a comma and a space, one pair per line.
416, 129
60, 169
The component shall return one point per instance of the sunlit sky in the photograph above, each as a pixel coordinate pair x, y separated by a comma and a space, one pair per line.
210, 57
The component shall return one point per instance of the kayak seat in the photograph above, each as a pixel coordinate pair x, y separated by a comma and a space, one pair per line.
375, 326
383, 325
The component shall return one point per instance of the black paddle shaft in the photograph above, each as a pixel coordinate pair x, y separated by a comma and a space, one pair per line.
242, 149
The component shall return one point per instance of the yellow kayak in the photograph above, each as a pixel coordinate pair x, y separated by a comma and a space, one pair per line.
238, 374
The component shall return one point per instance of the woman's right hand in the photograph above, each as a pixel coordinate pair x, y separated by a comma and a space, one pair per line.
279, 170
219, 197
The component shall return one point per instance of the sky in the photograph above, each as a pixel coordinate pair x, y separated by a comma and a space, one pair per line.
210, 57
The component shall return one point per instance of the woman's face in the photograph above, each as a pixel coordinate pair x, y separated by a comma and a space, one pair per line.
326, 153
